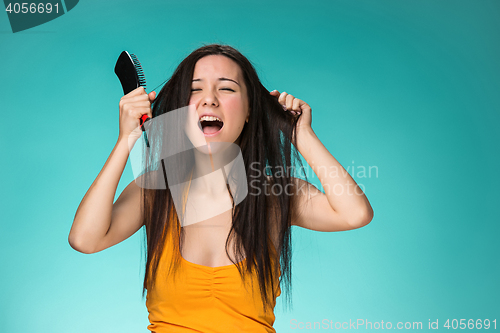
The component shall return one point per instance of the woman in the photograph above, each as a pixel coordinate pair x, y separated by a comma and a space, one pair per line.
228, 262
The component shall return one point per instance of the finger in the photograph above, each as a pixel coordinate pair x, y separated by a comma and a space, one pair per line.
275, 93
136, 114
146, 110
137, 98
143, 111
139, 104
130, 107
137, 91
152, 96
133, 98
296, 105
282, 98
289, 102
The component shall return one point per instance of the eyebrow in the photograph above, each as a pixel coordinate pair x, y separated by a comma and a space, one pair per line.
220, 79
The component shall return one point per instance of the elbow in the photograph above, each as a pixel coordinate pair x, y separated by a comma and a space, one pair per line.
364, 219
368, 218
78, 246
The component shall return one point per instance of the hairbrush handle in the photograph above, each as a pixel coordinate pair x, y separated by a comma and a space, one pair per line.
143, 119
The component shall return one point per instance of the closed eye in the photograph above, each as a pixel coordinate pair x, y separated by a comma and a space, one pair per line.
229, 89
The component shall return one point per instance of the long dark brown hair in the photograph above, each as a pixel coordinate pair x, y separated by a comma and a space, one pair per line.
266, 147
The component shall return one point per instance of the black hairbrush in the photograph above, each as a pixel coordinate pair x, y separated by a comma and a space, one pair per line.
129, 71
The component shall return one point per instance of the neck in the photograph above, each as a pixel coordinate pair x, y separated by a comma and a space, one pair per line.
210, 170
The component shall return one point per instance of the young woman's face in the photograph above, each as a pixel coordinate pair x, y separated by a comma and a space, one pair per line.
218, 90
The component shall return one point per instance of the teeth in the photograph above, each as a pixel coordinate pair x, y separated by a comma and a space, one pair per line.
210, 118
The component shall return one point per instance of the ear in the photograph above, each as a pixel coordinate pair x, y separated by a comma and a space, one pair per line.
248, 116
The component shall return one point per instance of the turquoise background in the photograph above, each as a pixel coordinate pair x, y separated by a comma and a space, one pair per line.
408, 87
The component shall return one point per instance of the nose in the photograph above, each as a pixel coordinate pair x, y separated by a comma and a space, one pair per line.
209, 99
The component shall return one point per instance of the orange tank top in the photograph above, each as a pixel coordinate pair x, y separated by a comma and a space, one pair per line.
206, 299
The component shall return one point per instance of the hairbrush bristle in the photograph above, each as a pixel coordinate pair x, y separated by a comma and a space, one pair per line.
138, 69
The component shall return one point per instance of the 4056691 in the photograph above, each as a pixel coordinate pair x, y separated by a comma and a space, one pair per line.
32, 8
471, 324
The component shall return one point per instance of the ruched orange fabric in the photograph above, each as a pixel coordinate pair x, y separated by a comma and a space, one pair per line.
206, 299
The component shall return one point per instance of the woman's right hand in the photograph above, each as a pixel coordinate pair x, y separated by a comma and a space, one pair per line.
132, 106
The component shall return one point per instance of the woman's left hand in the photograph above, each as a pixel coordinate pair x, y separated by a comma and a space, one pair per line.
295, 106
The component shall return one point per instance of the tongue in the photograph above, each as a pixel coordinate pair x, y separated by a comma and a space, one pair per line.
210, 129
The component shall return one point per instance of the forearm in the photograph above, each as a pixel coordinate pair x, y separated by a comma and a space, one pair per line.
343, 193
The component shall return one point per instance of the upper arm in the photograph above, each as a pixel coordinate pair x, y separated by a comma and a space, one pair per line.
311, 209
126, 217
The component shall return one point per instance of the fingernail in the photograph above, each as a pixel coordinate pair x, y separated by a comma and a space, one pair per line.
284, 107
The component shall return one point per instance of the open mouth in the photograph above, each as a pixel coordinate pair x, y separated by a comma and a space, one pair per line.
211, 125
